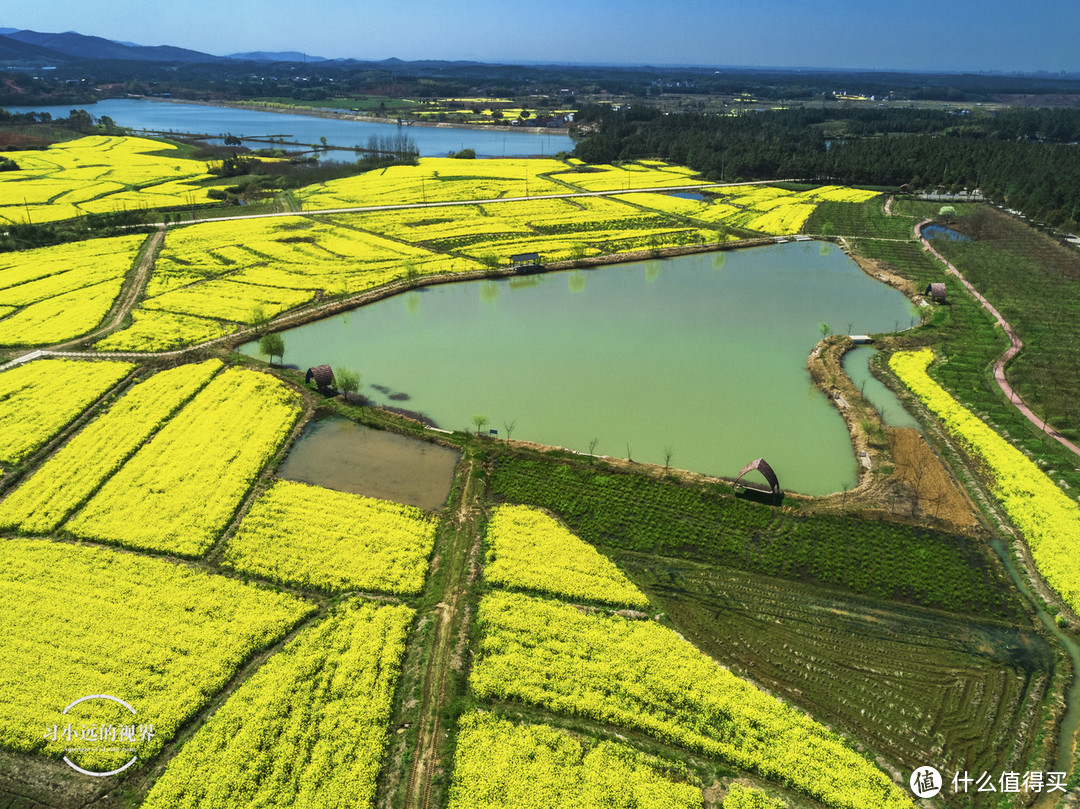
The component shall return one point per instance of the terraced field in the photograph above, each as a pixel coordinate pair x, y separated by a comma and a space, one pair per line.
99, 174
917, 685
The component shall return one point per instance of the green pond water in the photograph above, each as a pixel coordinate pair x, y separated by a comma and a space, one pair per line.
703, 356
857, 366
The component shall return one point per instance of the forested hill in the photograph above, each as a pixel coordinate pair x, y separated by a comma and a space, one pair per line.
1027, 159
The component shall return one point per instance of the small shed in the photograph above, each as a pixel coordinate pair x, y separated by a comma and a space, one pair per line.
323, 376
936, 292
523, 260
760, 465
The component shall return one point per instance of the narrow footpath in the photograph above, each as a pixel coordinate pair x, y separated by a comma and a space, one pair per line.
1012, 351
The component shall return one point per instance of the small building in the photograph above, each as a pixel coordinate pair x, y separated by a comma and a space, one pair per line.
936, 292
323, 376
524, 260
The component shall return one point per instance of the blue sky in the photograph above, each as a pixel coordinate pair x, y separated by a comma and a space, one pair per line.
912, 35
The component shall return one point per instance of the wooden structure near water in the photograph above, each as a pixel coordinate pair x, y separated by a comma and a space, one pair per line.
521, 261
760, 465
323, 376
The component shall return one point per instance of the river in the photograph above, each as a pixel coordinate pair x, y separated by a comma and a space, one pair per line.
164, 116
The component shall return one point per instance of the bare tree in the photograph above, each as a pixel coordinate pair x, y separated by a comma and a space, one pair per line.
976, 222
509, 427
918, 471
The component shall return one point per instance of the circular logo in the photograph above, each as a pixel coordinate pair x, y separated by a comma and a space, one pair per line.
96, 737
926, 782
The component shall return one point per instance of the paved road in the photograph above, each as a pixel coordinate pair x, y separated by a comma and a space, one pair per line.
457, 202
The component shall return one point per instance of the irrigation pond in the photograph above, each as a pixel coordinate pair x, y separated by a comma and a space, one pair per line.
698, 361
340, 454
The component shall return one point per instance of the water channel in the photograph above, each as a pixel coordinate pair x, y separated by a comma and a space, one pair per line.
164, 116
703, 356
892, 412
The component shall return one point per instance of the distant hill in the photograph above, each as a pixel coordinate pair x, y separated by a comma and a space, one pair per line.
13, 50
276, 56
77, 46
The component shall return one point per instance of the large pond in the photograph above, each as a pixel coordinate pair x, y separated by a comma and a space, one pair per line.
200, 118
703, 356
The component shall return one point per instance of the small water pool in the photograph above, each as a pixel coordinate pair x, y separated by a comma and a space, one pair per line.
935, 231
348, 457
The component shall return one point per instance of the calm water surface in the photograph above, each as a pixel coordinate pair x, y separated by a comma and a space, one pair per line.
701, 355
432, 141
934, 231
342, 455
857, 365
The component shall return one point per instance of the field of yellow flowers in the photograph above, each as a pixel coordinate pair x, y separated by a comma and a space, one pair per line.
99, 174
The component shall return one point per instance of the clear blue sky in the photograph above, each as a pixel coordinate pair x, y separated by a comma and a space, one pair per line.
911, 35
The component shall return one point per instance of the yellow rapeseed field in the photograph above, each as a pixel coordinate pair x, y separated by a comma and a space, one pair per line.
98, 174
530, 550
502, 765
177, 493
56, 293
82, 620
314, 537
63, 482
39, 398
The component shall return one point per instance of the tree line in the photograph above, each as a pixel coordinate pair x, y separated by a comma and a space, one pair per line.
1026, 159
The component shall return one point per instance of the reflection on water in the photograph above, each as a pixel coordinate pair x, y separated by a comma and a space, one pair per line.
651, 355
342, 455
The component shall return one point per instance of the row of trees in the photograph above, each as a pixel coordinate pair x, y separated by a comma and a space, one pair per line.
388, 150
1014, 158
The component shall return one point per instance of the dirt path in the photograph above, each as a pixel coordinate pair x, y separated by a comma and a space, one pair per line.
1012, 351
125, 302
452, 612
129, 295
